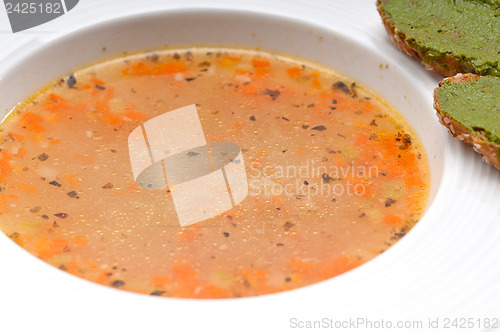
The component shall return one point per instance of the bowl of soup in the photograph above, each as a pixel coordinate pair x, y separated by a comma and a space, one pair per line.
335, 163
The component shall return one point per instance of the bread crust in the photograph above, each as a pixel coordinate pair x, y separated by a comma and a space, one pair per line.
478, 141
448, 66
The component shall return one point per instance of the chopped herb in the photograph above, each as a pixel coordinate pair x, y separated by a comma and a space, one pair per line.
192, 154
310, 105
280, 245
15, 235
389, 202
306, 183
108, 185
288, 279
273, 93
285, 118
287, 226
73, 194
100, 87
229, 217
326, 178
226, 234
61, 215
189, 79
373, 123
35, 209
43, 157
339, 85
406, 142
157, 293
319, 128
55, 183
252, 118
305, 126
46, 217
334, 101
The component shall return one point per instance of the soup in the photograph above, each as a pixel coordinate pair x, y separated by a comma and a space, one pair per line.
334, 175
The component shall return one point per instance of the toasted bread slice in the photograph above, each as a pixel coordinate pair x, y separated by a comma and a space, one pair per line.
469, 106
448, 37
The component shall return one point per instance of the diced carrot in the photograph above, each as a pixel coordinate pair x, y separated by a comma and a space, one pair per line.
29, 188
361, 140
113, 119
96, 81
189, 233
136, 116
15, 137
85, 158
71, 180
56, 98
238, 126
172, 67
261, 71
42, 245
184, 272
368, 106
314, 74
299, 151
316, 84
32, 122
54, 103
212, 291
137, 69
233, 58
160, 281
58, 245
294, 72
103, 278
393, 220
55, 142
101, 106
261, 63
239, 71
228, 61
80, 240
21, 152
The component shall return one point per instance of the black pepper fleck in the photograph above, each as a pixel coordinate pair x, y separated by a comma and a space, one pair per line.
117, 283
73, 194
319, 128
273, 93
43, 157
389, 202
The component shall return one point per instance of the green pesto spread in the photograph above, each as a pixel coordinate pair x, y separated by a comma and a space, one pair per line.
469, 30
475, 104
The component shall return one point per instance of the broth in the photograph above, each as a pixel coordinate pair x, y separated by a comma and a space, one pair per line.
335, 176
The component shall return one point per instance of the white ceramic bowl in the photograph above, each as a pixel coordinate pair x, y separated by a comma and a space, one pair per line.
35, 294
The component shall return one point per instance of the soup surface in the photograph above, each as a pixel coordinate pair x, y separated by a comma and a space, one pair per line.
335, 176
